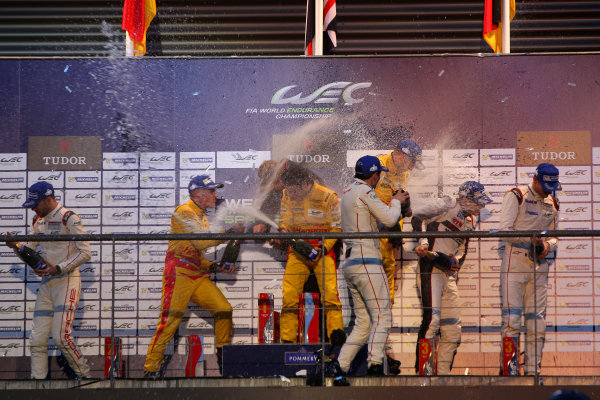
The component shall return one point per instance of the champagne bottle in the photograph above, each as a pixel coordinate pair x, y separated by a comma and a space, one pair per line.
538, 250
30, 256
230, 254
304, 248
441, 260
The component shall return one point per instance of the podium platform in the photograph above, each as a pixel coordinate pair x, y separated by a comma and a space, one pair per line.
260, 360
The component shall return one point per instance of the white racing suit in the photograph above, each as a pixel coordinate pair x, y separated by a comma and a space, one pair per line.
58, 295
520, 277
363, 270
440, 301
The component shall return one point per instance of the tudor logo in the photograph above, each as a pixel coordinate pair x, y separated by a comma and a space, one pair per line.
309, 145
65, 147
327, 94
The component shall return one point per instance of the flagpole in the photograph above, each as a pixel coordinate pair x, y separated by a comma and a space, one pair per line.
318, 50
505, 26
128, 45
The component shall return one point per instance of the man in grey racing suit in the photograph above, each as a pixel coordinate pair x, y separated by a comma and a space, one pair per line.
437, 284
59, 291
523, 280
363, 268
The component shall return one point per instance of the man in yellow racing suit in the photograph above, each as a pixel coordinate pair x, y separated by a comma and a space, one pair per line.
307, 206
186, 276
399, 163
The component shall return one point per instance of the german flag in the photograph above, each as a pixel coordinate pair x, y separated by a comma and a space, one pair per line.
137, 15
492, 23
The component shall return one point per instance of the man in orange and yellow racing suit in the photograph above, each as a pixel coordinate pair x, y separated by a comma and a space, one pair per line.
307, 206
186, 276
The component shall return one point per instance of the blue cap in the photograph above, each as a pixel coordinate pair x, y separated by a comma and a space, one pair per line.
368, 165
412, 151
203, 182
547, 175
38, 192
474, 191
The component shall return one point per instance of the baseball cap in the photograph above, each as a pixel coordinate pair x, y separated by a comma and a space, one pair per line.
412, 151
38, 192
547, 175
474, 191
368, 165
203, 182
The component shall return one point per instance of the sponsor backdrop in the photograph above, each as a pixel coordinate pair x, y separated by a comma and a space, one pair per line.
120, 139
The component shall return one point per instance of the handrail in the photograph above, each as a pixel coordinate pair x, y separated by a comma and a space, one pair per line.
304, 235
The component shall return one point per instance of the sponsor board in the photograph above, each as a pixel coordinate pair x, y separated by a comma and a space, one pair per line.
89, 216
574, 267
13, 161
492, 250
153, 252
497, 175
122, 271
457, 176
157, 160
157, 179
575, 212
269, 269
574, 323
83, 198
574, 193
575, 225
460, 157
197, 160
147, 327
575, 248
120, 216
12, 272
12, 329
241, 159
470, 268
13, 180
120, 197
575, 174
469, 342
469, 306
157, 197
122, 290
422, 194
122, 327
468, 287
89, 271
90, 290
427, 177
12, 198
243, 271
497, 192
10, 291
149, 308
596, 155
88, 309
155, 215
150, 290
55, 178
120, 179
490, 285
83, 179
86, 327
154, 230
66, 153
11, 310
236, 289
150, 271
576, 285
13, 217
556, 147
194, 325
497, 157
129, 229
596, 211
120, 161
490, 342
186, 176
596, 174
312, 150
123, 308
12, 347
574, 342
243, 308
127, 252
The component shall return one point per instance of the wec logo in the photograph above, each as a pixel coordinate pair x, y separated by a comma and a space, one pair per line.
327, 94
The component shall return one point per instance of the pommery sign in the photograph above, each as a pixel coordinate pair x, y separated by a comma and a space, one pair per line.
68, 153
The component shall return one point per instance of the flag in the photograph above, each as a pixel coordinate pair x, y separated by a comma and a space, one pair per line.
492, 23
137, 15
329, 26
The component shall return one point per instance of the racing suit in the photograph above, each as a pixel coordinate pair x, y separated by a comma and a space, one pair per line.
363, 271
57, 298
390, 182
186, 278
524, 209
318, 211
438, 290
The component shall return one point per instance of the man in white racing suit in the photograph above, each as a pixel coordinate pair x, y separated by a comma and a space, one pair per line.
441, 318
59, 291
523, 280
363, 268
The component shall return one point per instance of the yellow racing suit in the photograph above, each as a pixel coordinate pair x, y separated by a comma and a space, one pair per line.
390, 182
319, 211
186, 278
